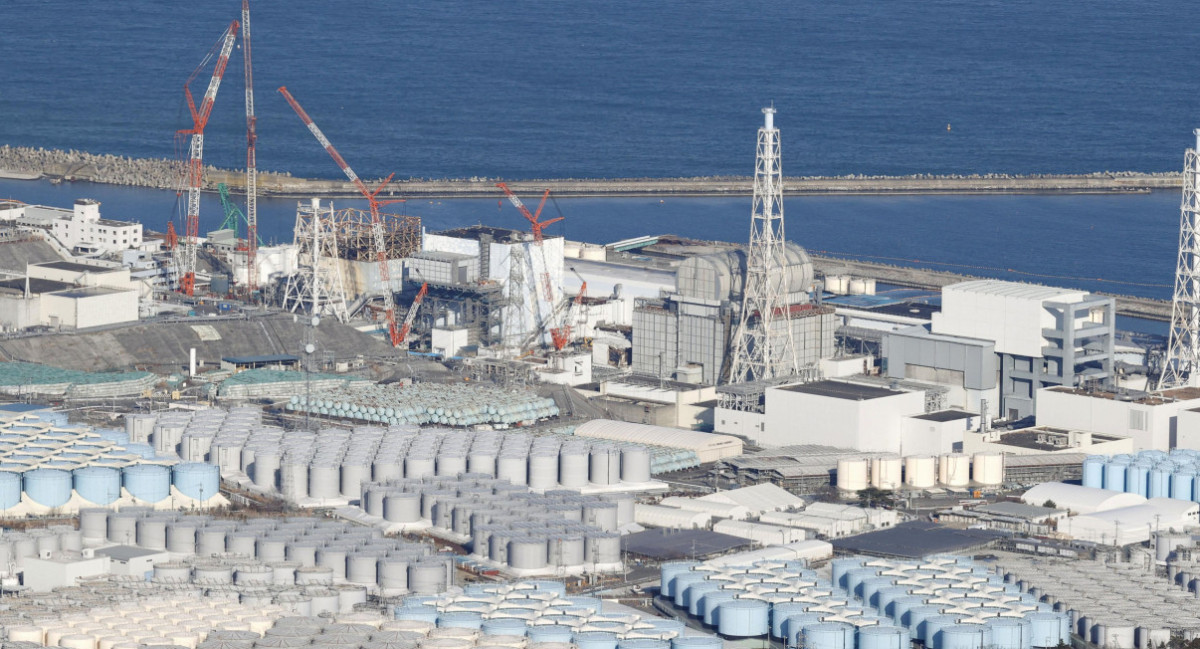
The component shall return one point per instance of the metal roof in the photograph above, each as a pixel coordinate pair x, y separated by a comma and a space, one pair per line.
758, 498
1017, 510
680, 544
265, 358
945, 415
126, 552
1013, 289
76, 267
842, 390
916, 539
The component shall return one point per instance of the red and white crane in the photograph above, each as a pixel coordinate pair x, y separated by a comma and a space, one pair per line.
561, 335
251, 161
186, 254
537, 226
372, 197
412, 311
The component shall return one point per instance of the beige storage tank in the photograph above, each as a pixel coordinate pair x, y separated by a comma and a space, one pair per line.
987, 468
837, 284
920, 471
593, 252
852, 474
954, 470
885, 472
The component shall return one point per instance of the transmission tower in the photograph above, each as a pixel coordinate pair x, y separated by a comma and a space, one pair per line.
763, 345
1182, 366
317, 287
515, 326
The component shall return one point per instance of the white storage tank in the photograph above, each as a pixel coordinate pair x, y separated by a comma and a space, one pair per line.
885, 472
954, 470
920, 471
987, 468
852, 474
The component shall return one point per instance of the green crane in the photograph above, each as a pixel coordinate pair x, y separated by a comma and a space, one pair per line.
233, 213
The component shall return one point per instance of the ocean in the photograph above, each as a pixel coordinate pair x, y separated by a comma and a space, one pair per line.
622, 88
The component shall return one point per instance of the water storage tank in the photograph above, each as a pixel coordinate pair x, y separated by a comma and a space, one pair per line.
742, 618
1160, 480
550, 633
93, 522
635, 464
1182, 482
696, 642
885, 472
604, 466
196, 480
667, 573
427, 577
920, 471
503, 626
1137, 477
47, 487
152, 533
1114, 475
96, 484
852, 474
402, 507
147, 482
827, 635
954, 470
883, 637
573, 466
963, 636
1011, 632
1049, 629
513, 468
988, 468
1093, 471
543, 471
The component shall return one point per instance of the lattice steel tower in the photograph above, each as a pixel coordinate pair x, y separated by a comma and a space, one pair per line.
317, 286
763, 345
1182, 366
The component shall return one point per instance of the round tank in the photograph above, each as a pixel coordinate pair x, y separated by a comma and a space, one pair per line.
504, 626
95, 484
543, 471
883, 637
418, 467
1182, 482
827, 635
361, 568
601, 514
427, 577
1137, 477
1114, 475
642, 643
667, 573
852, 474
1049, 629
402, 507
152, 533
885, 472
929, 627
780, 613
513, 468
196, 480
550, 633
47, 487
602, 547
1160, 481
988, 468
635, 464
954, 470
696, 642
461, 620
604, 466
93, 522
963, 636
711, 603
1093, 471
147, 482
573, 467
920, 471
595, 640
1011, 632
743, 618
324, 481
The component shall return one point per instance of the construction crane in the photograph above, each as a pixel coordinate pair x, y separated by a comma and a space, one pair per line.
537, 226
251, 160
372, 197
186, 254
561, 335
233, 214
412, 311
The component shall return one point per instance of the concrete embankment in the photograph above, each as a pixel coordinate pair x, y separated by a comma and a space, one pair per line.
1137, 307
27, 162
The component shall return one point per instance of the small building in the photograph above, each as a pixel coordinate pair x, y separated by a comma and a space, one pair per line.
1149, 420
1009, 516
932, 433
84, 232
62, 569
969, 367
267, 361
68, 294
708, 447
860, 416
1045, 439
127, 560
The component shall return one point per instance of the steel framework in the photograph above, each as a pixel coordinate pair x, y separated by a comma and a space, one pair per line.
317, 287
1182, 366
251, 160
355, 234
763, 345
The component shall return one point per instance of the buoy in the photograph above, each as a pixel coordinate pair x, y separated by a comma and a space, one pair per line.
947, 127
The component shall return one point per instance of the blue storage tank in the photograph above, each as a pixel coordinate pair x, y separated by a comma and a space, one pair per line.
419, 613
1182, 483
901, 605
1093, 471
47, 487
10, 489
913, 617
595, 640
710, 603
196, 480
794, 625
827, 635
668, 571
930, 626
780, 613
680, 584
1049, 629
697, 642
1160, 480
743, 618
99, 485
963, 636
148, 482
550, 633
144, 451
547, 585
593, 603
883, 598
884, 637
868, 588
842, 566
1011, 633
113, 435
1137, 478
460, 620
1114, 474
695, 594
856, 576
504, 626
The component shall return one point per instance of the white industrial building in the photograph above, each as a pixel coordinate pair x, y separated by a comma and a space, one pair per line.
1149, 420
1080, 500
761, 533
708, 447
862, 417
69, 295
1044, 336
84, 232
1045, 439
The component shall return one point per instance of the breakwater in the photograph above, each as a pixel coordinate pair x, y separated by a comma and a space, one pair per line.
160, 173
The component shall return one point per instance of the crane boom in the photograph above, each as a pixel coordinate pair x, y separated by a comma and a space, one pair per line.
251, 159
195, 167
378, 235
412, 311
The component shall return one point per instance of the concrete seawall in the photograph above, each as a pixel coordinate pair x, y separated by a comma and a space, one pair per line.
25, 162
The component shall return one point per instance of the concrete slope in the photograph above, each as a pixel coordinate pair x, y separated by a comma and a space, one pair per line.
164, 347
15, 255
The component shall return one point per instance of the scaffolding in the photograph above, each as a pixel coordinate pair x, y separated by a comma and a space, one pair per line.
317, 287
355, 237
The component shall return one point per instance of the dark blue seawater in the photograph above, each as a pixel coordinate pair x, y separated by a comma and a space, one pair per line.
622, 88
1115, 243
